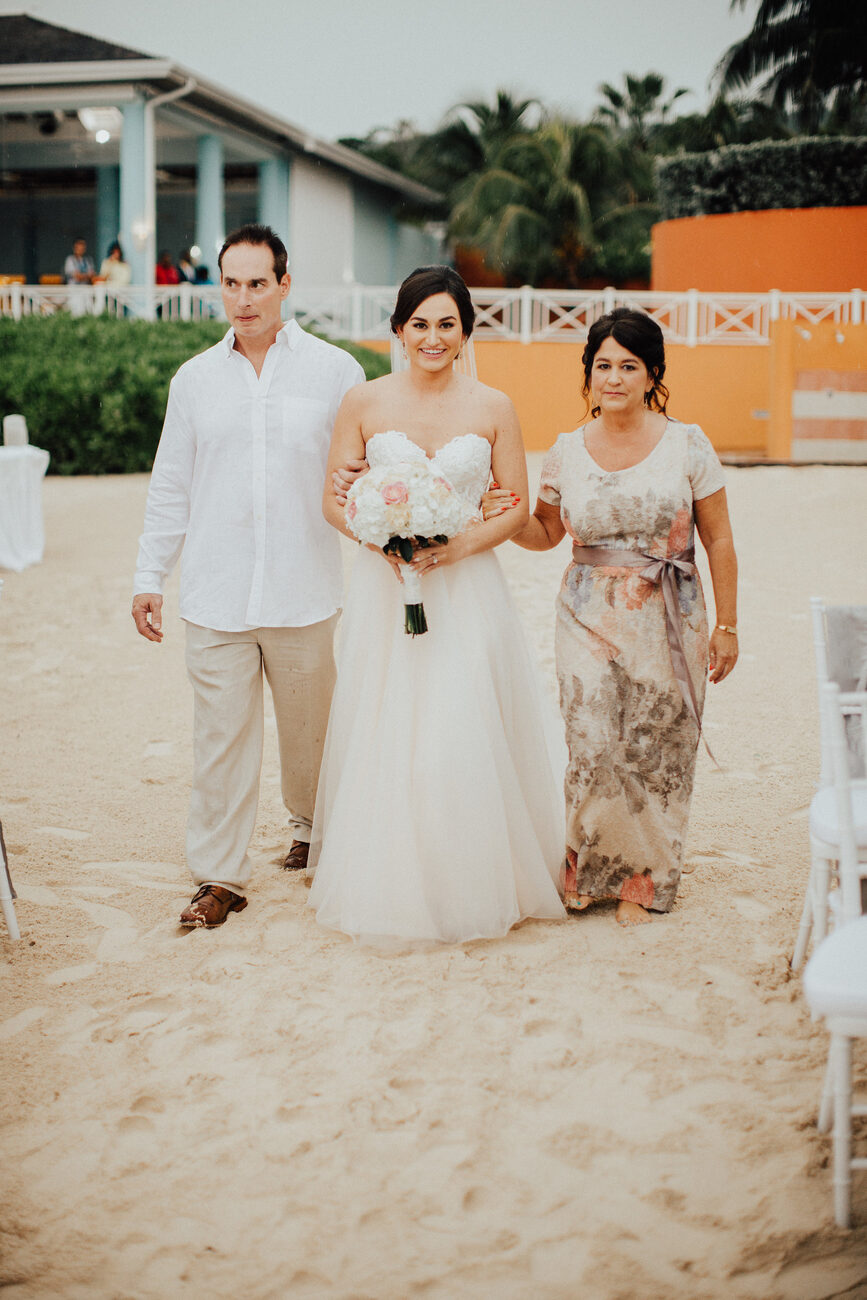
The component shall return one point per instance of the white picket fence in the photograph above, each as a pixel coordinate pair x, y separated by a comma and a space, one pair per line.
521, 315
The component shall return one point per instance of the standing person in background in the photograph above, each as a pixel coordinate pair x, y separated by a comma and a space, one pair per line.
237, 484
629, 488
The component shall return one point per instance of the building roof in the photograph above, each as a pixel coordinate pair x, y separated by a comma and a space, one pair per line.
42, 59
29, 40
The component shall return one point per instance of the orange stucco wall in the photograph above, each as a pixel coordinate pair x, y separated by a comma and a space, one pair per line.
835, 349
821, 250
720, 388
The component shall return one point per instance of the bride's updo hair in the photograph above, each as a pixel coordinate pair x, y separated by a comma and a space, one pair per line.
640, 335
423, 283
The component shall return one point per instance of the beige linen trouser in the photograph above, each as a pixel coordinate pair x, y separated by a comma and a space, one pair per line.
225, 669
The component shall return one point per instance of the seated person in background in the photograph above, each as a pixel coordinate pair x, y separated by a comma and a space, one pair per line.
167, 272
114, 270
186, 268
78, 267
203, 275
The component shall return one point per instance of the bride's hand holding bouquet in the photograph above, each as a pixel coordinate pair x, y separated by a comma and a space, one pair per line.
409, 510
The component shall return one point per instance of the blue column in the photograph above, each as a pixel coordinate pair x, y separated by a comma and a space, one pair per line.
210, 211
133, 192
107, 211
274, 196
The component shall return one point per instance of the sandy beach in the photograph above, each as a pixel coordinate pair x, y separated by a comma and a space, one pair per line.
267, 1110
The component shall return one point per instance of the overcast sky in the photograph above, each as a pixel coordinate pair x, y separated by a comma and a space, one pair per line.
343, 67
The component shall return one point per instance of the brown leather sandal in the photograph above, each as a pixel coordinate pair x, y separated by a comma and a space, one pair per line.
210, 906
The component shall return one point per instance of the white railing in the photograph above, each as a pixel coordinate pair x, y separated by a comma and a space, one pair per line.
520, 315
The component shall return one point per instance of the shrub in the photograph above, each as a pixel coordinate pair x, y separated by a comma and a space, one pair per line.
94, 389
810, 172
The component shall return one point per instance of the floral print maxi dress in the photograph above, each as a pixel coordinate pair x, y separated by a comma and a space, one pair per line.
632, 743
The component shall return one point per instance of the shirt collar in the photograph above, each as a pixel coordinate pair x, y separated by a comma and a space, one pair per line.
287, 337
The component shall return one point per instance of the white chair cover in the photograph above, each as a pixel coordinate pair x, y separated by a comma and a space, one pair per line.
22, 535
15, 431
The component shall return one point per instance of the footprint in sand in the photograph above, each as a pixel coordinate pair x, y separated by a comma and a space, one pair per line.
147, 1105
112, 918
63, 832
136, 870
134, 1124
17, 1024
535, 1028
40, 894
753, 909
72, 974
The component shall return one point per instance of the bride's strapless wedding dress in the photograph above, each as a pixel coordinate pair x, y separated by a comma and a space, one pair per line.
439, 814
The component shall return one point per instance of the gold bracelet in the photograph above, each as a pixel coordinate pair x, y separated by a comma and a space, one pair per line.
726, 627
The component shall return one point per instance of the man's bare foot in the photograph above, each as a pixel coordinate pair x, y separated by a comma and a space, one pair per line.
630, 913
579, 902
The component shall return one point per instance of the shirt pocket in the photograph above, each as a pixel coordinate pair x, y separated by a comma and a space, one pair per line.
305, 423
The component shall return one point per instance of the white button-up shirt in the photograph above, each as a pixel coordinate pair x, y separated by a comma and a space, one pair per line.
237, 484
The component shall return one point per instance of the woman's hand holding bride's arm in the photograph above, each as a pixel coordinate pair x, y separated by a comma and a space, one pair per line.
343, 478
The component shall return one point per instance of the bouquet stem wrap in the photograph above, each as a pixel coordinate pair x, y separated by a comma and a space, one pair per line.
415, 621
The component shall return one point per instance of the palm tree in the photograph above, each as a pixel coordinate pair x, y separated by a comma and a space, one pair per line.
470, 137
805, 55
636, 113
554, 207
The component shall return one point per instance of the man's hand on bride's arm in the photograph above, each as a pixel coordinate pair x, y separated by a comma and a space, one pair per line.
342, 479
497, 501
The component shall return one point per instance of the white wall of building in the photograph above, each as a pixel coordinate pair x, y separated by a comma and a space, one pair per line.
321, 225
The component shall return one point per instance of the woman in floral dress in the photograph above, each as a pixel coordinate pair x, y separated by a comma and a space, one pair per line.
630, 488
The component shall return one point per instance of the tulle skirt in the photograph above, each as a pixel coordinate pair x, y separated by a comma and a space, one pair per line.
439, 814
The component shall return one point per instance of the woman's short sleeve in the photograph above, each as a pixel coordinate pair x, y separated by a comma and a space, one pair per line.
705, 471
549, 485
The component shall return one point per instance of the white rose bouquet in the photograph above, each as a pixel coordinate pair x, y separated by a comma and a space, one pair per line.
402, 508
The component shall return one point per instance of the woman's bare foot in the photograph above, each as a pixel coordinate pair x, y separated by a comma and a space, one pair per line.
579, 902
630, 913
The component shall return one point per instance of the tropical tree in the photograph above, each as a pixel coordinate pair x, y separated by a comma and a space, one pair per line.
727, 121
804, 56
466, 142
637, 112
550, 203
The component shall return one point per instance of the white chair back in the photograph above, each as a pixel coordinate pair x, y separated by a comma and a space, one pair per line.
839, 710
15, 431
840, 645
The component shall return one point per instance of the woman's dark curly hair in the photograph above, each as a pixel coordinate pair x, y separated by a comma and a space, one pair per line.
640, 335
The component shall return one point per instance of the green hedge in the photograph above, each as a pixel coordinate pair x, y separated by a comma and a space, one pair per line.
810, 172
93, 390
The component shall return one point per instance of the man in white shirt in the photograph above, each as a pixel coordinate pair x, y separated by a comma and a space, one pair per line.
78, 267
237, 484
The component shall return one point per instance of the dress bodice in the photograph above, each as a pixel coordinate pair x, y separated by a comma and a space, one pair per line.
465, 460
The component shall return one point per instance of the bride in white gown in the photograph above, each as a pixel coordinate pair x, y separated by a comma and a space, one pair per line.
439, 814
